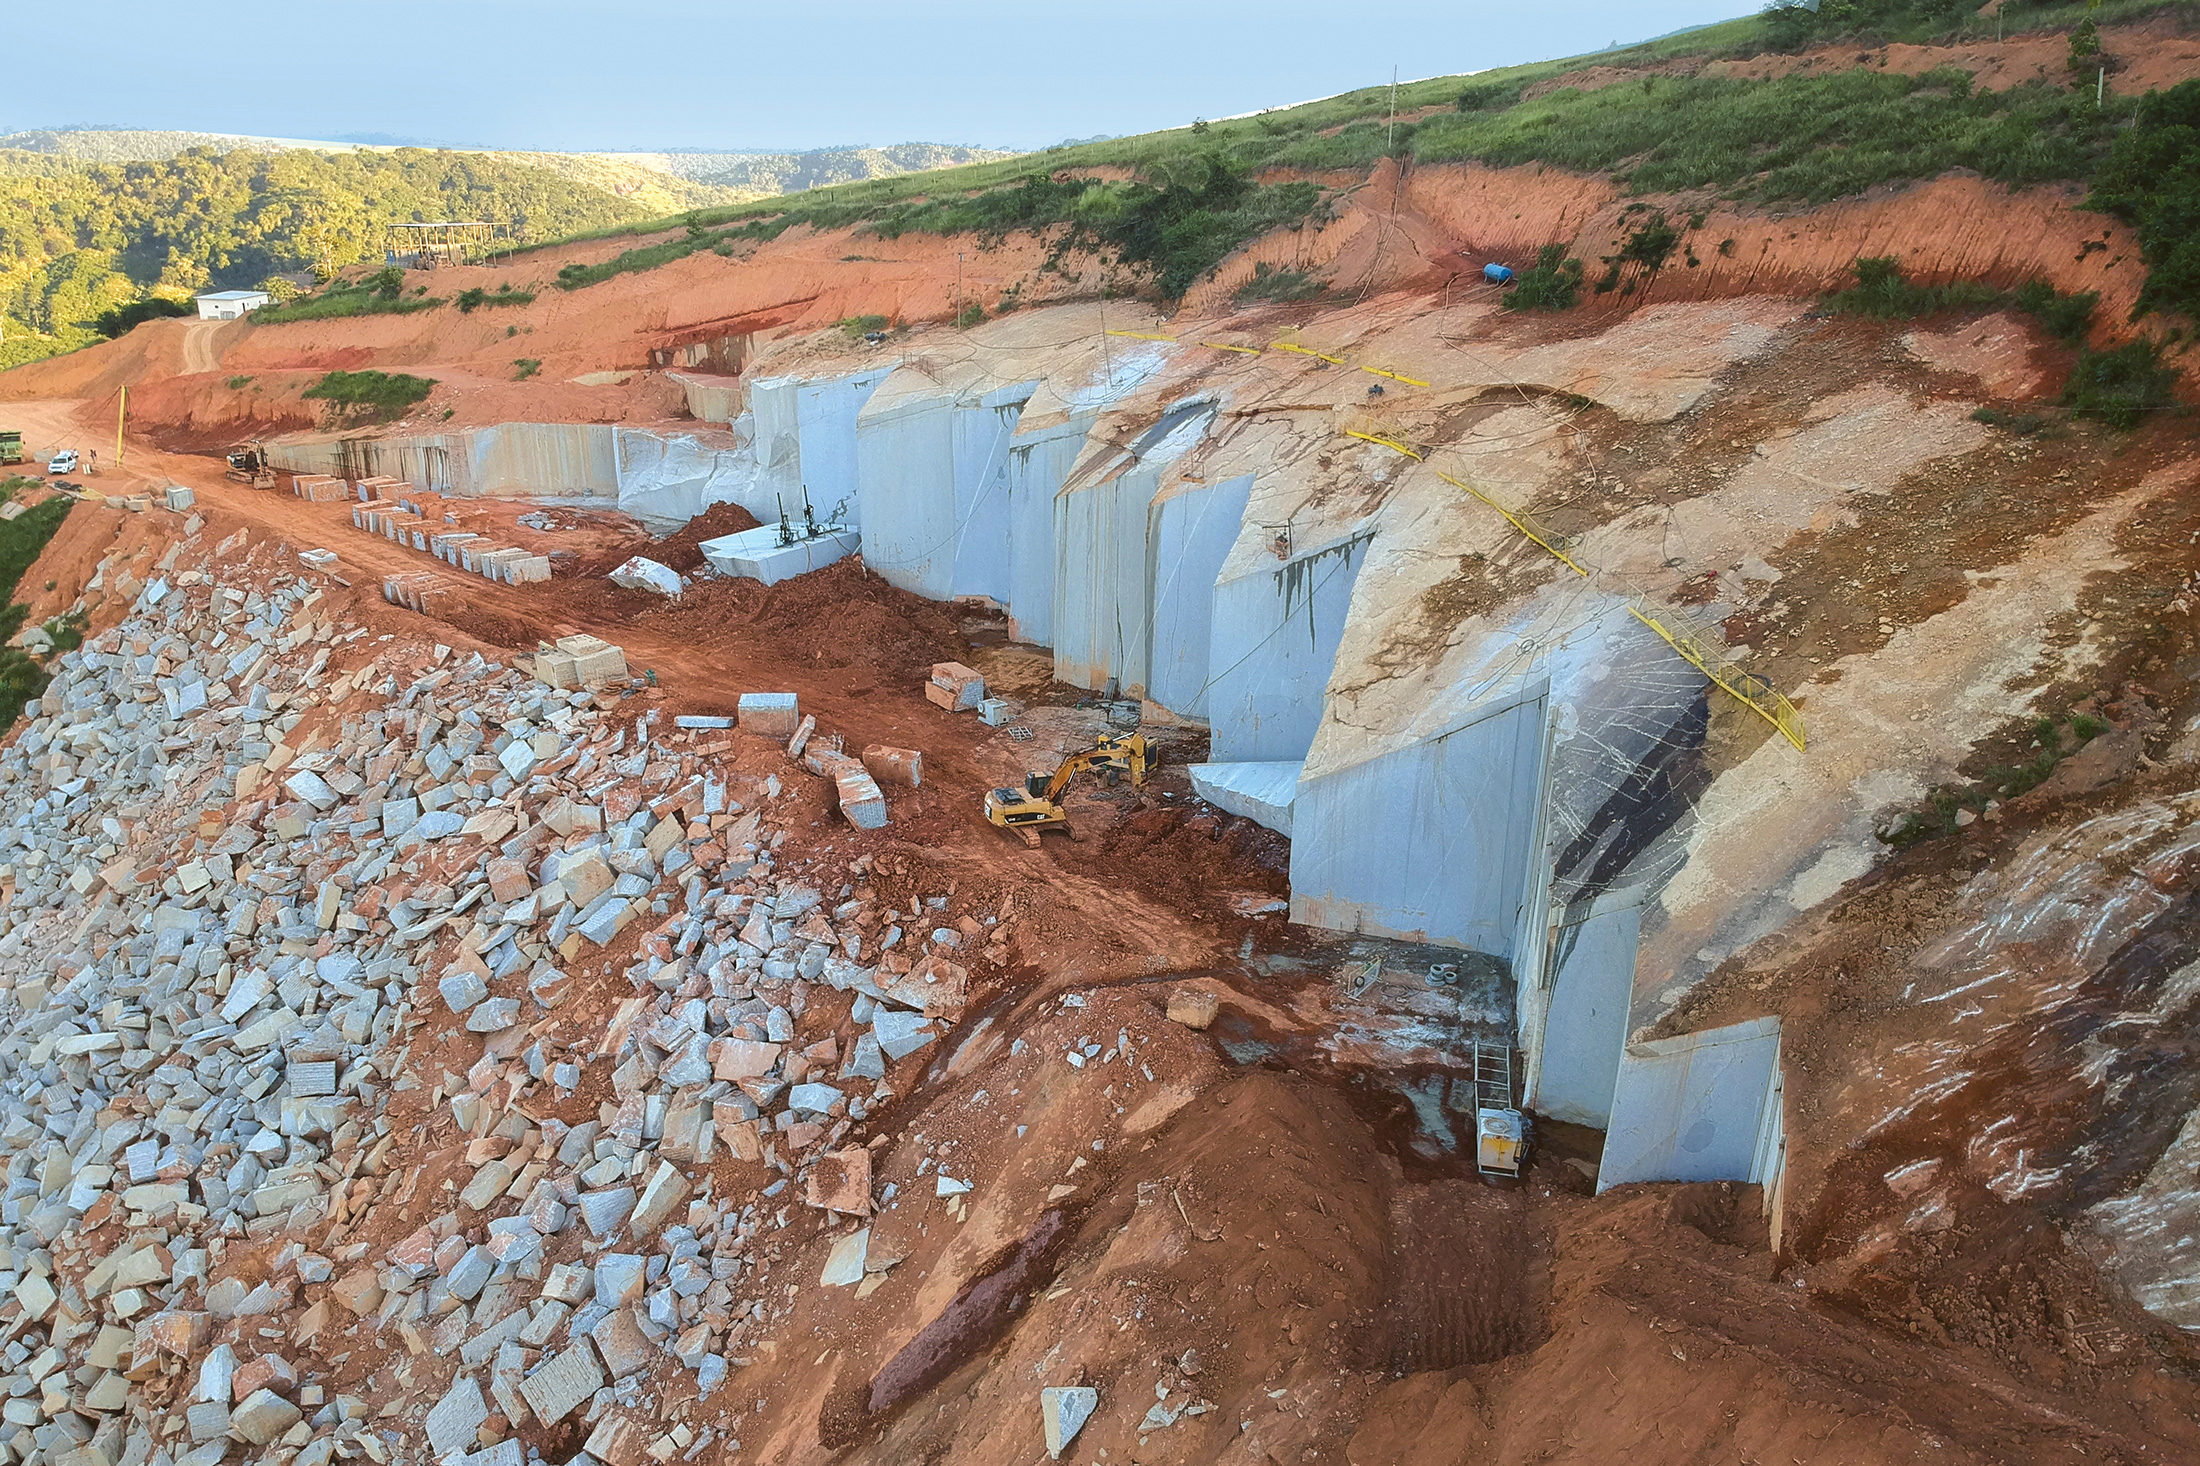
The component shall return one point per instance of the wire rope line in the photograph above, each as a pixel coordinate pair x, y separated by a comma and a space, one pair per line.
1697, 645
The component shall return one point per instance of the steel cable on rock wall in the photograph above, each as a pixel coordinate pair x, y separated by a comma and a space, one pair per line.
1698, 645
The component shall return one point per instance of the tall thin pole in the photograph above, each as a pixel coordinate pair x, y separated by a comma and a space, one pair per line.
958, 289
1391, 131
2100, 90
122, 409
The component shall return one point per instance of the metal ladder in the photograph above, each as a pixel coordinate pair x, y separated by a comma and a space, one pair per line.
1493, 1075
1493, 1090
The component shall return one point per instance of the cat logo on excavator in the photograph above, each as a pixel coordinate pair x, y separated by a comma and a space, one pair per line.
1038, 805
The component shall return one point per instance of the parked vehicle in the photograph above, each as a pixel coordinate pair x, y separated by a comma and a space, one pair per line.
63, 461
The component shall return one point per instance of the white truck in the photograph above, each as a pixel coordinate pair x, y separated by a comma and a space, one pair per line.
63, 461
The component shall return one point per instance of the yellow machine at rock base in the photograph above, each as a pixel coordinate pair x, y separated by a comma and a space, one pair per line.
1038, 805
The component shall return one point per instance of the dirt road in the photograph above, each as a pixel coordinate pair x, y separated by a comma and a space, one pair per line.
200, 347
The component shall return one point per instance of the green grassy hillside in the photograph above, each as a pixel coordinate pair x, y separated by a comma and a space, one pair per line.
1198, 191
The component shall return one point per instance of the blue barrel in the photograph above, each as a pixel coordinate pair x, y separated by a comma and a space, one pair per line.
1497, 274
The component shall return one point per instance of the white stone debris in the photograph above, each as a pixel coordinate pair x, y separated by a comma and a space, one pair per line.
247, 856
1063, 1411
643, 573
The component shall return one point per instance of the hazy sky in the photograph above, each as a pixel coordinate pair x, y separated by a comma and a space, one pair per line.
558, 75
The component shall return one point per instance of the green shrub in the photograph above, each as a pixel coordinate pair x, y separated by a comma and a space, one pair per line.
22, 676
855, 328
124, 317
2065, 317
367, 298
1646, 247
239, 383
648, 257
380, 396
1942, 810
1552, 283
65, 631
1883, 293
970, 315
1202, 211
22, 539
472, 300
2122, 386
1281, 286
2085, 44
528, 366
2023, 424
2151, 180
1490, 96
1788, 26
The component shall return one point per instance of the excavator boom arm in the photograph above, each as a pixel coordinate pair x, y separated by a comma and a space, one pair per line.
1069, 769
1040, 801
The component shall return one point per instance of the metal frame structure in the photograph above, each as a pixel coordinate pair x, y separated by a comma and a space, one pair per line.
425, 246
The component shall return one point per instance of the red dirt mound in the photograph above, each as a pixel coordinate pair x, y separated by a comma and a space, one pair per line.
684, 551
1185, 855
844, 616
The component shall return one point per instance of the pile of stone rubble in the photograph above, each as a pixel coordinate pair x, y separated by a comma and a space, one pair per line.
256, 906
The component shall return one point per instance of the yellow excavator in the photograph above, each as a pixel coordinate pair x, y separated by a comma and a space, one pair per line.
248, 465
1038, 805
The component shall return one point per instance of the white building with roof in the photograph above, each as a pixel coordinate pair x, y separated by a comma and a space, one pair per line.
227, 305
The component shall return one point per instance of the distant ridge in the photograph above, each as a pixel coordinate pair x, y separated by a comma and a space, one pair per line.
773, 173
689, 179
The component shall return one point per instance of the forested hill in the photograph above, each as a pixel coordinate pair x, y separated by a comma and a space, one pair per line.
76, 241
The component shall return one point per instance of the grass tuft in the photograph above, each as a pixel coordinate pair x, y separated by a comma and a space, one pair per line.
2053, 740
1177, 223
1552, 283
379, 294
22, 540
1278, 286
1884, 293
472, 300
2023, 424
2122, 386
1806, 139
376, 396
